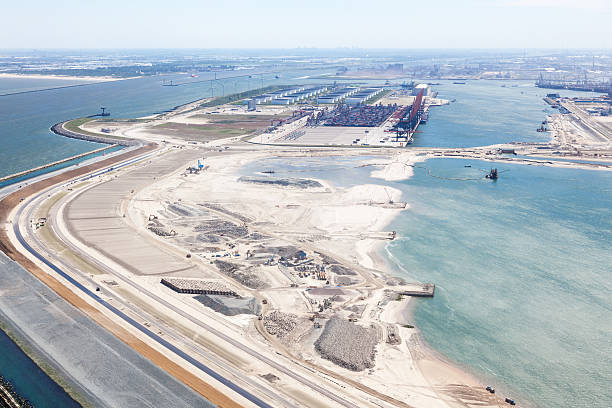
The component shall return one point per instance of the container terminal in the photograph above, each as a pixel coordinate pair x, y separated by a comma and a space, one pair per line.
355, 117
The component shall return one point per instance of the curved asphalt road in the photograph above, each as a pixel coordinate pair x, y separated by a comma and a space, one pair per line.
122, 315
315, 387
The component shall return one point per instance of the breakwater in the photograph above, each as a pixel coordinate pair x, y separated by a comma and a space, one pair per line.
9, 398
55, 163
60, 129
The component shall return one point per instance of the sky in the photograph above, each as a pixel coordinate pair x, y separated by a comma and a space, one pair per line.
404, 24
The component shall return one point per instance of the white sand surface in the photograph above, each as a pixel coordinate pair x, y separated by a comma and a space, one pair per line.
399, 167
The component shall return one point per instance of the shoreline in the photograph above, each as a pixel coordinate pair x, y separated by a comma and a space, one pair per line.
62, 77
38, 357
376, 253
433, 365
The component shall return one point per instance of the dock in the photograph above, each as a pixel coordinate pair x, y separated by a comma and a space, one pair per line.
417, 290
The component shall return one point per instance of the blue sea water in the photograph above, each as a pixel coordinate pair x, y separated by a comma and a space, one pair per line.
522, 272
486, 113
29, 380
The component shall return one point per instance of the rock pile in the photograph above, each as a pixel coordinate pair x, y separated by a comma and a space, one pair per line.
245, 277
230, 306
348, 345
280, 324
196, 286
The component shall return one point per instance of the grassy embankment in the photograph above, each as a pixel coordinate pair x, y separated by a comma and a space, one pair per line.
75, 126
378, 97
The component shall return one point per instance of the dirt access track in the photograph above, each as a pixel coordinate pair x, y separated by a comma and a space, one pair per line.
11, 201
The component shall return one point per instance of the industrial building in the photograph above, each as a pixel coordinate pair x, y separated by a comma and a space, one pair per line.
289, 95
362, 96
336, 96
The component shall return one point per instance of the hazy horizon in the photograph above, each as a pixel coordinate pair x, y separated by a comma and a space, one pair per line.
273, 24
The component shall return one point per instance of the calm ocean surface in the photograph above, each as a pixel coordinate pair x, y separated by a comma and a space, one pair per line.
522, 265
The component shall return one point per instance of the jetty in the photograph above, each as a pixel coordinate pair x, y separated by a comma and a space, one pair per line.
417, 289
55, 163
60, 129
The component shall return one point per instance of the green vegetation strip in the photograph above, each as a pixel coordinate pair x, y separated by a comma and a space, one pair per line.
378, 97
75, 126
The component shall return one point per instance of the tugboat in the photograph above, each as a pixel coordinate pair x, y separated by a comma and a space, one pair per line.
492, 174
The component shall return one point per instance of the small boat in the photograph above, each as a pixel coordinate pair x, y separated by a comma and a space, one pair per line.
492, 174
468, 165
459, 82
454, 100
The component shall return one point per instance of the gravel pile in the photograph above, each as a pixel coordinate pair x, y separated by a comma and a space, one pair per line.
341, 270
159, 231
347, 344
223, 210
230, 306
282, 182
208, 239
279, 323
221, 227
245, 277
181, 210
345, 280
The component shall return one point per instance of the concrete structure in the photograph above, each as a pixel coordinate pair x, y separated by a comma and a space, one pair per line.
197, 286
421, 87
251, 104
